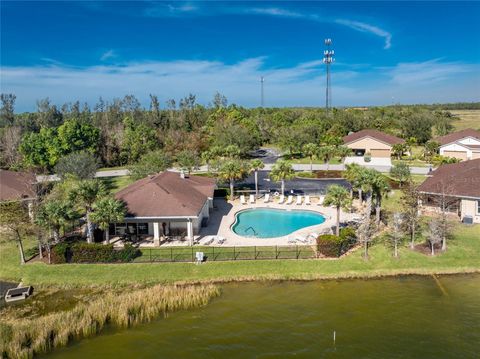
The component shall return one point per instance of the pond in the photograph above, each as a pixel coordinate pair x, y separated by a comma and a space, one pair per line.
406, 317
269, 222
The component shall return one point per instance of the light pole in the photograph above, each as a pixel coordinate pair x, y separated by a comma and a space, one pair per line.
328, 59
262, 98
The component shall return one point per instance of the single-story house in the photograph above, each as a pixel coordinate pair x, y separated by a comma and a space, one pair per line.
459, 186
373, 142
166, 204
18, 186
464, 144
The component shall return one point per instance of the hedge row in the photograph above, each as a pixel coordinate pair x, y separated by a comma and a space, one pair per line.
332, 246
92, 253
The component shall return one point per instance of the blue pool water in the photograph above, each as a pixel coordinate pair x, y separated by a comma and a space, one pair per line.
268, 222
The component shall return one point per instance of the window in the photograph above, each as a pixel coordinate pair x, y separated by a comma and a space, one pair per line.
142, 228
478, 207
120, 229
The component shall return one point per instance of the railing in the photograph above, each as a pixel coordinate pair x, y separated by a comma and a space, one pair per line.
215, 254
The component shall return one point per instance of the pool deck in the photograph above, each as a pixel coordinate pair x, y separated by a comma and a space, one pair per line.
223, 217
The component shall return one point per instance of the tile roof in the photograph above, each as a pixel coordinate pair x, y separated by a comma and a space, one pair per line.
457, 179
455, 136
381, 136
16, 185
167, 195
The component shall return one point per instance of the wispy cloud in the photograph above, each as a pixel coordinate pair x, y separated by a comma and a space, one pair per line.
299, 85
168, 10
364, 27
275, 11
108, 55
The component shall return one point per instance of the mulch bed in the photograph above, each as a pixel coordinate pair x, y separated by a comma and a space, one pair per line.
328, 174
424, 248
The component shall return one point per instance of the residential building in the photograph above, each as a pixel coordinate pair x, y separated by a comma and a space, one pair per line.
166, 204
456, 187
464, 144
18, 186
378, 145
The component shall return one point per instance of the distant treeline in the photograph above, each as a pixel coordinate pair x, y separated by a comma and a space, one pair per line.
121, 132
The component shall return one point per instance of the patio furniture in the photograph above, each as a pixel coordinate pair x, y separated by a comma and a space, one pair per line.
282, 199
267, 198
210, 241
320, 200
290, 199
301, 239
307, 200
242, 199
19, 293
221, 240
299, 200
252, 199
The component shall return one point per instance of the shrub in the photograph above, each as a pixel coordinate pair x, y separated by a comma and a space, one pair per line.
348, 234
330, 245
92, 253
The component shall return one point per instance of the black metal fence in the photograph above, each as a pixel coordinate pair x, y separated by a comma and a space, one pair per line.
188, 254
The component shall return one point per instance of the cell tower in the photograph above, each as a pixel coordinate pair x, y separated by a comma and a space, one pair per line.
328, 59
262, 98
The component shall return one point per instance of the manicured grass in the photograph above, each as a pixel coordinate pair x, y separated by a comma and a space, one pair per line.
463, 255
306, 161
103, 169
115, 184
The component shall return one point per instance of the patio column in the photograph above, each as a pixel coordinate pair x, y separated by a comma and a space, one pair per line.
156, 230
190, 230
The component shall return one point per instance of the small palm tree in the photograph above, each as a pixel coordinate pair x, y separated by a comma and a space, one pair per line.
282, 170
86, 193
255, 166
105, 211
310, 150
208, 156
325, 153
54, 214
339, 197
380, 187
233, 170
352, 175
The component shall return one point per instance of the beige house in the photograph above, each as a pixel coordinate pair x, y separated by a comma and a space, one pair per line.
18, 187
371, 142
165, 205
464, 145
456, 187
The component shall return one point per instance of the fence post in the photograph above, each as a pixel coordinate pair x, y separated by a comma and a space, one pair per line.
255, 252
171, 254
296, 250
213, 253
276, 251
234, 257
150, 254
192, 254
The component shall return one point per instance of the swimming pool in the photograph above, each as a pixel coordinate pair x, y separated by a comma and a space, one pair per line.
269, 222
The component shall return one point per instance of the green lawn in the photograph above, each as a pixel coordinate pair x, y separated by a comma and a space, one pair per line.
115, 184
463, 255
466, 119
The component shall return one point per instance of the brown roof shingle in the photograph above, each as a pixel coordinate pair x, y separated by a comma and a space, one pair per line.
455, 136
457, 179
167, 195
381, 136
16, 185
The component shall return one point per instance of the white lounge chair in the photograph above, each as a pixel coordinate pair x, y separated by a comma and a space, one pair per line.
301, 239
307, 200
281, 199
320, 200
242, 199
221, 240
313, 235
252, 199
290, 200
299, 200
267, 198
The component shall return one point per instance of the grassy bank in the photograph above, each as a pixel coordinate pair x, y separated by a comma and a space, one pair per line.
23, 338
463, 255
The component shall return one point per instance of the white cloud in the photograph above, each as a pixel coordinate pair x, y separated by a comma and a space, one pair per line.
364, 27
300, 85
108, 55
168, 10
275, 11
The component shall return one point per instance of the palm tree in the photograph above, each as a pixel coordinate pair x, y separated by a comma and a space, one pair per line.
339, 197
105, 211
380, 188
86, 193
310, 150
53, 215
207, 156
282, 170
255, 166
232, 170
325, 153
352, 175
342, 152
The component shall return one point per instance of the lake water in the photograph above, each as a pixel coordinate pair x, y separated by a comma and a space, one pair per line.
407, 317
269, 222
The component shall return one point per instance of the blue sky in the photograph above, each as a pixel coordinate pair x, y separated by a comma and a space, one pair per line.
403, 52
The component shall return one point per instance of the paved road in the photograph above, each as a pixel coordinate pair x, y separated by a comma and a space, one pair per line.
268, 155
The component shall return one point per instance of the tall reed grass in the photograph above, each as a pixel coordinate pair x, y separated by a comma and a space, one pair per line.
24, 338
